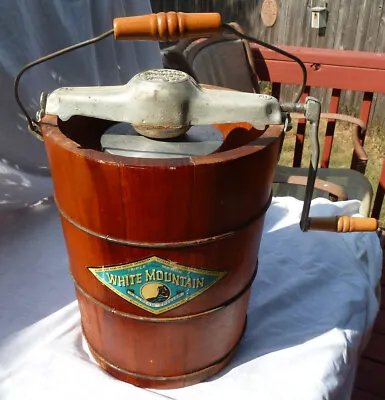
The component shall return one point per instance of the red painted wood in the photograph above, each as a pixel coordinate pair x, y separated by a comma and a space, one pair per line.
347, 58
365, 110
361, 395
379, 325
300, 136
371, 377
276, 90
336, 69
359, 71
376, 348
330, 128
161, 201
364, 115
329, 76
379, 198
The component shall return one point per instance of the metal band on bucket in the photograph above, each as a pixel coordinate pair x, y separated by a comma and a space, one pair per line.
101, 360
157, 245
166, 319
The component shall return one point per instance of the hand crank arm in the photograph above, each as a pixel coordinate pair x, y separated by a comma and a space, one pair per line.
312, 111
343, 224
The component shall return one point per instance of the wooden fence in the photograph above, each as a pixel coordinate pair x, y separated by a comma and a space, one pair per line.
352, 25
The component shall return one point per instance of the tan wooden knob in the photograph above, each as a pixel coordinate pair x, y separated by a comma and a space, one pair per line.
167, 26
343, 224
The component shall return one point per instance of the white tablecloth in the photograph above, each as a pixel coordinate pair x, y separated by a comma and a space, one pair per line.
312, 304
313, 301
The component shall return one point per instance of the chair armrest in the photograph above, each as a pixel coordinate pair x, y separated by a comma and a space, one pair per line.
358, 131
329, 187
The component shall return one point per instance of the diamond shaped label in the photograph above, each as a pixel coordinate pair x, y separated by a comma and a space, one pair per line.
155, 284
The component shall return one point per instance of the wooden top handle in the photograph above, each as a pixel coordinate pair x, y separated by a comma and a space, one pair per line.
343, 224
167, 26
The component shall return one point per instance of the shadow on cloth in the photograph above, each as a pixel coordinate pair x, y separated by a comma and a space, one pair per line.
34, 266
20, 189
307, 284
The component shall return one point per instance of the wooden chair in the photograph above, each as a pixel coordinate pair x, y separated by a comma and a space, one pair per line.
227, 61
354, 183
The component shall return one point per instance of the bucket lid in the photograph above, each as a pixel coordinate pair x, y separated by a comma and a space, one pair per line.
123, 140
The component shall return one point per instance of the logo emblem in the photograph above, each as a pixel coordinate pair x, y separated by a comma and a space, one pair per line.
155, 284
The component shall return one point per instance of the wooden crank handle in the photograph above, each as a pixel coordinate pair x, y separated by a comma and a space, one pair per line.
343, 224
167, 26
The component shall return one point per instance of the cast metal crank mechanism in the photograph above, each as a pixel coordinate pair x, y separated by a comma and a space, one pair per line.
163, 104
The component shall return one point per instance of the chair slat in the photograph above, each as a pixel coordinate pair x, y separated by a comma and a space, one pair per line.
364, 115
379, 199
361, 395
370, 377
300, 137
330, 128
376, 349
379, 325
276, 90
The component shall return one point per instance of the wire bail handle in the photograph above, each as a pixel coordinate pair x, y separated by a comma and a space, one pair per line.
160, 27
173, 26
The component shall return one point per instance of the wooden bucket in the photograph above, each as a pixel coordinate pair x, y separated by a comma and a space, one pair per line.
162, 251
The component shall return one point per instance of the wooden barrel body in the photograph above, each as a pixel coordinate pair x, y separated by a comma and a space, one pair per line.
162, 252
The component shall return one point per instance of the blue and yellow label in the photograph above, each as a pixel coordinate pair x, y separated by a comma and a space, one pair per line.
155, 284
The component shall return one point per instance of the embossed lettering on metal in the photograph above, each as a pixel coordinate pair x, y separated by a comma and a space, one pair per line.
155, 284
